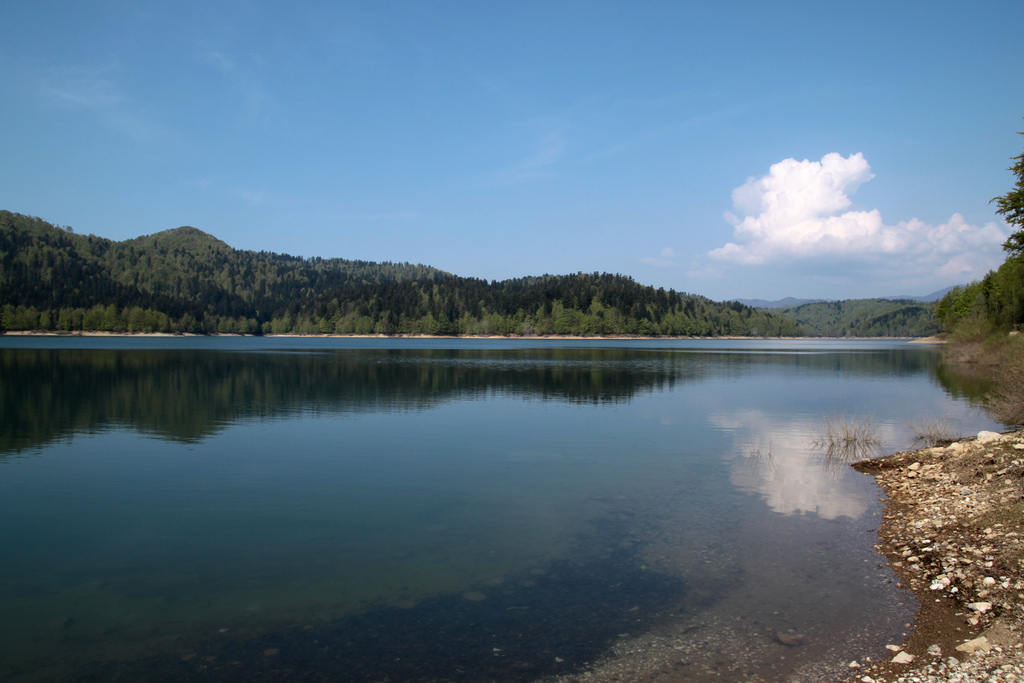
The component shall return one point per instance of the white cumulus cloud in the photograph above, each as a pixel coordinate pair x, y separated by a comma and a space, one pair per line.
800, 211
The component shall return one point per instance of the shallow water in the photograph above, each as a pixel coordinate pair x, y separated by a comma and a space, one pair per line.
362, 510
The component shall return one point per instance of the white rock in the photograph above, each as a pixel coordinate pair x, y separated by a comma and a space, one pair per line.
903, 658
988, 581
985, 437
854, 664
979, 643
980, 606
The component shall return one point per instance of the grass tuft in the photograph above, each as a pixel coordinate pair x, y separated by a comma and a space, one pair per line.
932, 431
845, 439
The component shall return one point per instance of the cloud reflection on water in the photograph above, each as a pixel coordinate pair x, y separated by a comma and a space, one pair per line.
777, 460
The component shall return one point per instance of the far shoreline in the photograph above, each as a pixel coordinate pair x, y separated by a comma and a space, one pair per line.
569, 337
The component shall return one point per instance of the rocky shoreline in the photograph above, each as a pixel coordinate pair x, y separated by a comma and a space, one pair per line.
953, 531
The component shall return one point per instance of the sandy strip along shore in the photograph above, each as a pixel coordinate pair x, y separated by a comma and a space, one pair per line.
954, 532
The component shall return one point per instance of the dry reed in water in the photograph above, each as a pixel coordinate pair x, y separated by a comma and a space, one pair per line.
845, 439
932, 431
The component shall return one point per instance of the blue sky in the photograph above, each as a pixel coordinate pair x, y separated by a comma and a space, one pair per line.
733, 149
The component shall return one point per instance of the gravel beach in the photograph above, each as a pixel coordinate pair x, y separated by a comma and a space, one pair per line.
954, 533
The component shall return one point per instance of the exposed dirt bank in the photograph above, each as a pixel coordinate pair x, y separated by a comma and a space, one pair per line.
954, 532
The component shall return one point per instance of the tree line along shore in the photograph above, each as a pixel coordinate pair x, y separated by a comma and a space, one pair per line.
185, 281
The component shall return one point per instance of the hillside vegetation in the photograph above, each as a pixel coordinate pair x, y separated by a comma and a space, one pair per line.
864, 318
185, 280
993, 305
983, 319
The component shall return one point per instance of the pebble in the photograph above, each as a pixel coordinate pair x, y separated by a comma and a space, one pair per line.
790, 639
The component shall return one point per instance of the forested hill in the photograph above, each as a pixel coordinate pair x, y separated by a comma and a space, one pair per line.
185, 280
864, 318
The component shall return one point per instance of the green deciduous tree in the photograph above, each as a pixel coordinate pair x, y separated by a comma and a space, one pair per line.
1011, 207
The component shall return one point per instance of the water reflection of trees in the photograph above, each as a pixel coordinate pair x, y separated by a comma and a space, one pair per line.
185, 395
888, 362
961, 380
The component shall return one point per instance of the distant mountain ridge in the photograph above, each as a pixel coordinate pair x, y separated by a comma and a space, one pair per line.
928, 298
778, 303
790, 302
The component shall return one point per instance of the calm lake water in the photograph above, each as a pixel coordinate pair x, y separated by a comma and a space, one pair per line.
236, 509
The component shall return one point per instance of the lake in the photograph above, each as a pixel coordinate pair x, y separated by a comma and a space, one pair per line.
262, 509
